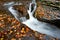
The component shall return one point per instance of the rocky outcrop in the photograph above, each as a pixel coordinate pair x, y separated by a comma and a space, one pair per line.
21, 9
47, 14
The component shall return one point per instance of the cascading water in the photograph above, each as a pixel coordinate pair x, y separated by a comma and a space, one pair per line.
16, 14
36, 25
41, 27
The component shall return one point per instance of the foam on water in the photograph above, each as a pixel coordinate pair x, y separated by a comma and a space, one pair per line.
41, 27
36, 25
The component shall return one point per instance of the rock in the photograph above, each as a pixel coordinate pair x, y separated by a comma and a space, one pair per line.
22, 10
55, 22
47, 14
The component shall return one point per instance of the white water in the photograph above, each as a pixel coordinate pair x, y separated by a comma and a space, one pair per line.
16, 14
36, 25
41, 27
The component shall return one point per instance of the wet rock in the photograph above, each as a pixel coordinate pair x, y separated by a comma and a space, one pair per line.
55, 22
47, 14
22, 10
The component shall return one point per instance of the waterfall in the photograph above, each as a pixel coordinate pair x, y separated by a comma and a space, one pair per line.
34, 24
39, 26
16, 14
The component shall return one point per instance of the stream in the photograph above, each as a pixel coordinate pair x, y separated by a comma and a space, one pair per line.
33, 23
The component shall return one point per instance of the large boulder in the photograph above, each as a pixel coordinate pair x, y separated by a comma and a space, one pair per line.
22, 10
47, 14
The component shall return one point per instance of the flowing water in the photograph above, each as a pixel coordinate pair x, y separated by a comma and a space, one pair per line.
34, 24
